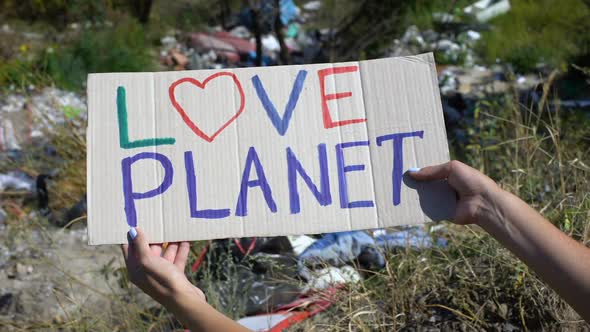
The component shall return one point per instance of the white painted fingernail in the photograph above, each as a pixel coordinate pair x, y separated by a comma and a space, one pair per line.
132, 233
414, 169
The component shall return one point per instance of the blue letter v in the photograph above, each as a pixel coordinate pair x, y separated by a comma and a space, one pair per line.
280, 124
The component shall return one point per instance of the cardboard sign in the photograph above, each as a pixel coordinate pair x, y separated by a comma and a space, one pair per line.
192, 155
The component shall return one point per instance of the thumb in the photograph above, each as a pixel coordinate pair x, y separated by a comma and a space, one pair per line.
138, 240
430, 173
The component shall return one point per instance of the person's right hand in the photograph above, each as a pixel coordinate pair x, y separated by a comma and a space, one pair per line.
473, 188
157, 271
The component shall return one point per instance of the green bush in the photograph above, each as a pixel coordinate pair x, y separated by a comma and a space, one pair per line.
20, 74
56, 12
122, 48
419, 13
545, 31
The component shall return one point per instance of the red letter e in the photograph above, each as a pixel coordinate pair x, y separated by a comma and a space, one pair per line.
328, 122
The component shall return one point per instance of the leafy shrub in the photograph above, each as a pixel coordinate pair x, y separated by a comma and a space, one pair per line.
122, 48
420, 12
20, 74
56, 12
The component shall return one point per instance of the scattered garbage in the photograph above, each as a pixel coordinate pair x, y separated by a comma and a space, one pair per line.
330, 276
412, 237
217, 48
338, 249
26, 118
17, 180
473, 35
270, 44
485, 10
241, 32
3, 217
289, 11
300, 243
241, 286
443, 17
176, 60
303, 307
313, 5
265, 322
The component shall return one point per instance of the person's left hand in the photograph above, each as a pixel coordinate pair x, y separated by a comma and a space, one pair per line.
156, 271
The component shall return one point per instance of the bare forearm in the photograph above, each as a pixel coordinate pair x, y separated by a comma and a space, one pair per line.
561, 261
197, 315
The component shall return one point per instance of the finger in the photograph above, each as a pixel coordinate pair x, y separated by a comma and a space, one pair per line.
139, 243
156, 249
437, 172
182, 255
170, 252
125, 250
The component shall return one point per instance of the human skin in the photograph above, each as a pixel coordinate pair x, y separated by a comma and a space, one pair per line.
562, 262
159, 273
558, 259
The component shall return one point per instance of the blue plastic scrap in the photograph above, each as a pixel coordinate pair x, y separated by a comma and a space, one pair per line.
415, 238
289, 11
337, 249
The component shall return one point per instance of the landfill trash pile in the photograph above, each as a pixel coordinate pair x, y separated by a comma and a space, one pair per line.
235, 45
26, 118
277, 279
29, 119
454, 45
272, 273
462, 80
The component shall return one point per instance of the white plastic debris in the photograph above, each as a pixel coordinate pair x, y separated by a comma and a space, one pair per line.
324, 278
485, 10
313, 5
270, 44
241, 32
29, 117
264, 322
16, 181
473, 35
300, 243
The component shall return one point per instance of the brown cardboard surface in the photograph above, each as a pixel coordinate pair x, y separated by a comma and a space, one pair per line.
225, 138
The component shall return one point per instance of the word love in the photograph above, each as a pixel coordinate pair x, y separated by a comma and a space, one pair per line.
254, 177
281, 124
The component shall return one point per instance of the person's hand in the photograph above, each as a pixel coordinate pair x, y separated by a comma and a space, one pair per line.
473, 188
156, 271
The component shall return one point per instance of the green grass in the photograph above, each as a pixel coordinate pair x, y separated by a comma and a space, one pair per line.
121, 48
419, 13
473, 284
551, 32
537, 152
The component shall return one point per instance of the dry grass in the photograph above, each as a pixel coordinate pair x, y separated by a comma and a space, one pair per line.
536, 151
474, 283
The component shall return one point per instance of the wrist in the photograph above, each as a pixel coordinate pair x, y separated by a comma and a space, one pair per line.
489, 211
180, 293
187, 304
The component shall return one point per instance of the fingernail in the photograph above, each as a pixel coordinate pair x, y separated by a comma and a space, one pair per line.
132, 233
414, 169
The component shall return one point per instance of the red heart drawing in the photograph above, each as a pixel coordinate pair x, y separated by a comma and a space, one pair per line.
189, 122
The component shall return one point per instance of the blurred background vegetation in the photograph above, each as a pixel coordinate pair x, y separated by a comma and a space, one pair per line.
533, 147
101, 36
